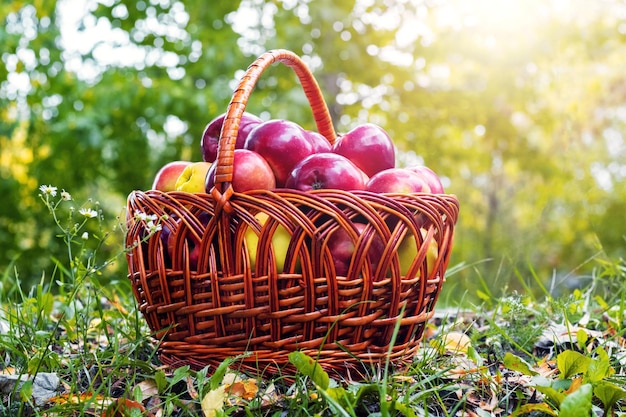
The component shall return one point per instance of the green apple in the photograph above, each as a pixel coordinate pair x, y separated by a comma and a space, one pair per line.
280, 242
193, 177
407, 252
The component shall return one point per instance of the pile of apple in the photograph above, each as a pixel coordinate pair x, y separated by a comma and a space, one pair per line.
281, 154
278, 154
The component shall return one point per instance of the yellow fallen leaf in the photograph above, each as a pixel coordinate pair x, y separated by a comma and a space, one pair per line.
213, 401
118, 305
243, 389
148, 388
576, 383
80, 398
456, 342
8, 371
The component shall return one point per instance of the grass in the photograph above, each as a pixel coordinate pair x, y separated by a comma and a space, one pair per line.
511, 355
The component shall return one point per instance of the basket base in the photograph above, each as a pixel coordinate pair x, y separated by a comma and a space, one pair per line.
271, 364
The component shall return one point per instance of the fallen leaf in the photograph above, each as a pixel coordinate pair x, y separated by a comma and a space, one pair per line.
464, 366
117, 305
123, 407
9, 370
213, 401
546, 368
576, 383
78, 399
455, 342
247, 389
270, 396
488, 401
147, 388
403, 378
191, 388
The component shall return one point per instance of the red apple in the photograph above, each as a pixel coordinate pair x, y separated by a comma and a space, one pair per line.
193, 245
164, 236
250, 172
211, 134
431, 178
342, 246
328, 171
369, 147
148, 233
397, 180
282, 143
165, 178
319, 142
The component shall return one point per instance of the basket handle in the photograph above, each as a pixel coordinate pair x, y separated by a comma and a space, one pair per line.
237, 105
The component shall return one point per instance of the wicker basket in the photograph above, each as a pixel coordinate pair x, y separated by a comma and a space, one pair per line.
206, 301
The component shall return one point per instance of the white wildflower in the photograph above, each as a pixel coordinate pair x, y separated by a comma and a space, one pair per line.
87, 212
152, 227
48, 189
66, 196
149, 218
85, 236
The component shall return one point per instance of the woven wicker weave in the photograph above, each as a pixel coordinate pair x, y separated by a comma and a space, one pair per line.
206, 302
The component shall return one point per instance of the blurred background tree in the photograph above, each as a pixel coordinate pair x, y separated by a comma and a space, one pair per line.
520, 106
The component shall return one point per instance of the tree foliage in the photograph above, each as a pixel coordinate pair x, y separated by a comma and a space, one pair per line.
520, 108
